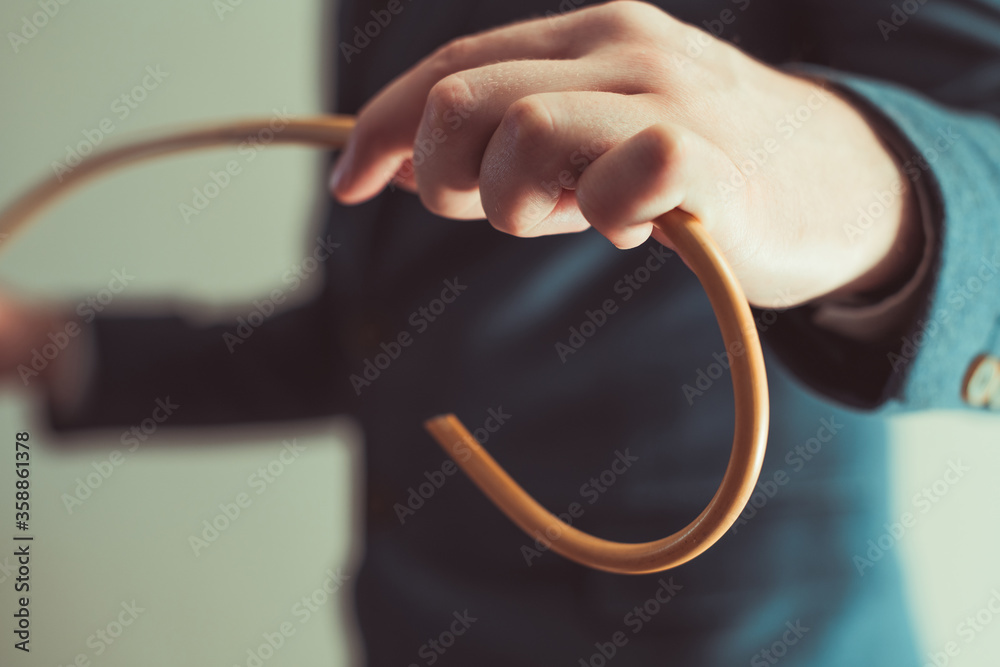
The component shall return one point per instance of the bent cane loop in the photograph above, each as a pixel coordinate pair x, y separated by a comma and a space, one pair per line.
749, 438
692, 242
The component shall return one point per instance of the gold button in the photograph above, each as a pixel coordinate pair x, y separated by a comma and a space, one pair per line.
982, 383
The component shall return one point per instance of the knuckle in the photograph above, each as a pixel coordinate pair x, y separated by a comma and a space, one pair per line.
663, 148
452, 56
450, 94
654, 66
528, 124
627, 17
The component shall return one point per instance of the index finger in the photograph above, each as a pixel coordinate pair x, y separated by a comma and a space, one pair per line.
387, 124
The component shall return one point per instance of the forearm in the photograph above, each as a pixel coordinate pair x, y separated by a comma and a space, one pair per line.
286, 368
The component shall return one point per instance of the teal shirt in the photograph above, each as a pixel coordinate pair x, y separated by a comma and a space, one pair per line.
597, 379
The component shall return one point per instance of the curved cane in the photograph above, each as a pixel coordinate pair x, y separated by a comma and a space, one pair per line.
692, 242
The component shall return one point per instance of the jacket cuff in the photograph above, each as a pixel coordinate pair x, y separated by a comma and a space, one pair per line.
952, 160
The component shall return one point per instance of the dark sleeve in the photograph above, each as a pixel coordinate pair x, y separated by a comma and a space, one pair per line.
285, 365
928, 81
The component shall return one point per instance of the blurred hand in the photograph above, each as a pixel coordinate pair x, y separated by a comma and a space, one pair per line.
612, 115
24, 329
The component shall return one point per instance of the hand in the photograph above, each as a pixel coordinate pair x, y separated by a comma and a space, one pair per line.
610, 116
24, 329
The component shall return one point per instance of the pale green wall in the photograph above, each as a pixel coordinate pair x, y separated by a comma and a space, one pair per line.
130, 539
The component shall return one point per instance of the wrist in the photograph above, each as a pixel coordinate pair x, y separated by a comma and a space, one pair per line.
882, 220
68, 375
894, 255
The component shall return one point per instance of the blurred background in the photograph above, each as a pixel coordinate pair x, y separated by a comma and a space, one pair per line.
101, 71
